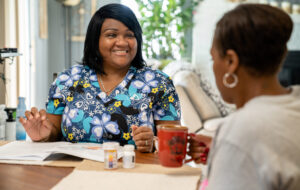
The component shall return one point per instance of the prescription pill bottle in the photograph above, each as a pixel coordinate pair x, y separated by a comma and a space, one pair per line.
110, 155
129, 156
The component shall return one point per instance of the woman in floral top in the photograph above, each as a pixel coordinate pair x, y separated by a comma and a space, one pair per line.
112, 96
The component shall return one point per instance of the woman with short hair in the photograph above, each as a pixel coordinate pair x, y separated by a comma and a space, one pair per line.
258, 146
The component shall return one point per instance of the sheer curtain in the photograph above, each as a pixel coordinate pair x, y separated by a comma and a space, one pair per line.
9, 37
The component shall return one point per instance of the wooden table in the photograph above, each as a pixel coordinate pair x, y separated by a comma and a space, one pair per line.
25, 177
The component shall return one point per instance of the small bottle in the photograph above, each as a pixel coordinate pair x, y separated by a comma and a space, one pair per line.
129, 156
21, 133
110, 155
10, 129
3, 117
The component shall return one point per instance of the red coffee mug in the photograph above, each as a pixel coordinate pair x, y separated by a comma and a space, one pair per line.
172, 142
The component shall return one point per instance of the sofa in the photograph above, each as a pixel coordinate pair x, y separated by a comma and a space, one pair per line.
202, 108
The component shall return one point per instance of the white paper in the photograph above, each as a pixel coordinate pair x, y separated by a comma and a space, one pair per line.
38, 151
113, 180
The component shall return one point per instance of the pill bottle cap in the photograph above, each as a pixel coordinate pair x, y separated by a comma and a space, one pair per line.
110, 145
129, 147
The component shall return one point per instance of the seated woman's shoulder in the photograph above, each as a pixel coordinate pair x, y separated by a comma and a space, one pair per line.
258, 117
74, 68
70, 75
148, 71
79, 67
241, 128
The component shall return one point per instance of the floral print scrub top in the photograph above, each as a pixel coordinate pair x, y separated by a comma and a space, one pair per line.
89, 115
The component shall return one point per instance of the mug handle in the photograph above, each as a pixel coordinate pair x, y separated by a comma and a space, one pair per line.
205, 153
189, 160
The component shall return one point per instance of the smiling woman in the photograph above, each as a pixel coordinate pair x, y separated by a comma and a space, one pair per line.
118, 45
112, 95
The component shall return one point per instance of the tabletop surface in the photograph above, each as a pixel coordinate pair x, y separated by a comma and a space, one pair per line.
15, 177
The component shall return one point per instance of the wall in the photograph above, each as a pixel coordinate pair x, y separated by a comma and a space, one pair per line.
40, 80
57, 40
205, 19
2, 87
294, 43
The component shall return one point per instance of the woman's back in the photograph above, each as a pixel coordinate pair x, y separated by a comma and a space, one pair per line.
258, 147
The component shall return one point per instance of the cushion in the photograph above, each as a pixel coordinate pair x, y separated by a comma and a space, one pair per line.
189, 116
204, 105
213, 124
206, 84
210, 126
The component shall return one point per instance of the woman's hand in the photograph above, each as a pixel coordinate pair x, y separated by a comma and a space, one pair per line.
37, 125
199, 148
143, 137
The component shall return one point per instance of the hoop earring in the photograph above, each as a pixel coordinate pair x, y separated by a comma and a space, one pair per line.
235, 80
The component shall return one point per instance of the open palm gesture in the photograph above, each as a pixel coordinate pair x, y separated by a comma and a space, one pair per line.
37, 126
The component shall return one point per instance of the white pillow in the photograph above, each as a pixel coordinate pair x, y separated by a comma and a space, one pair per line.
213, 124
205, 107
189, 116
210, 126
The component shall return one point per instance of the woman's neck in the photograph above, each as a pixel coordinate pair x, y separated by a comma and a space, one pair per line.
111, 79
114, 73
254, 87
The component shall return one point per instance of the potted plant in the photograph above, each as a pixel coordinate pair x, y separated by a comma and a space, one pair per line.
165, 23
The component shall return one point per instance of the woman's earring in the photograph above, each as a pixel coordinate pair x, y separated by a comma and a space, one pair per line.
235, 80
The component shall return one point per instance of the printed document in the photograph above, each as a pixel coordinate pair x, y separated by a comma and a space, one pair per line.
39, 151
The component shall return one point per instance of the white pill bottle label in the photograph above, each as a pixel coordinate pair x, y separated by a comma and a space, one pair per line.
129, 161
129, 156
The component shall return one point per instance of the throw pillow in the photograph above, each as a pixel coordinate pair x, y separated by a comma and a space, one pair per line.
189, 116
204, 105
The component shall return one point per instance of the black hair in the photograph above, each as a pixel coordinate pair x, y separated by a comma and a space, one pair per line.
258, 34
92, 57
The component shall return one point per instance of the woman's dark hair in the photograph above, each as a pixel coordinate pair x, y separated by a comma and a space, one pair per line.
258, 34
92, 57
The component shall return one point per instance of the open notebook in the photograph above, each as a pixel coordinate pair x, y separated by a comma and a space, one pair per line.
39, 151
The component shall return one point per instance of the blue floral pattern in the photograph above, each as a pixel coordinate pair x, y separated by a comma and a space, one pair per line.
89, 115
104, 124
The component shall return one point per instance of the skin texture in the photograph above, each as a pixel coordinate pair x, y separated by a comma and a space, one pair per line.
143, 134
41, 126
199, 148
118, 47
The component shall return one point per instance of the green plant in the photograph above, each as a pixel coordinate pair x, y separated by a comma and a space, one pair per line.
164, 24
164, 62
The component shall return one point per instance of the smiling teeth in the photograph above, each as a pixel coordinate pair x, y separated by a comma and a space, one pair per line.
121, 51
